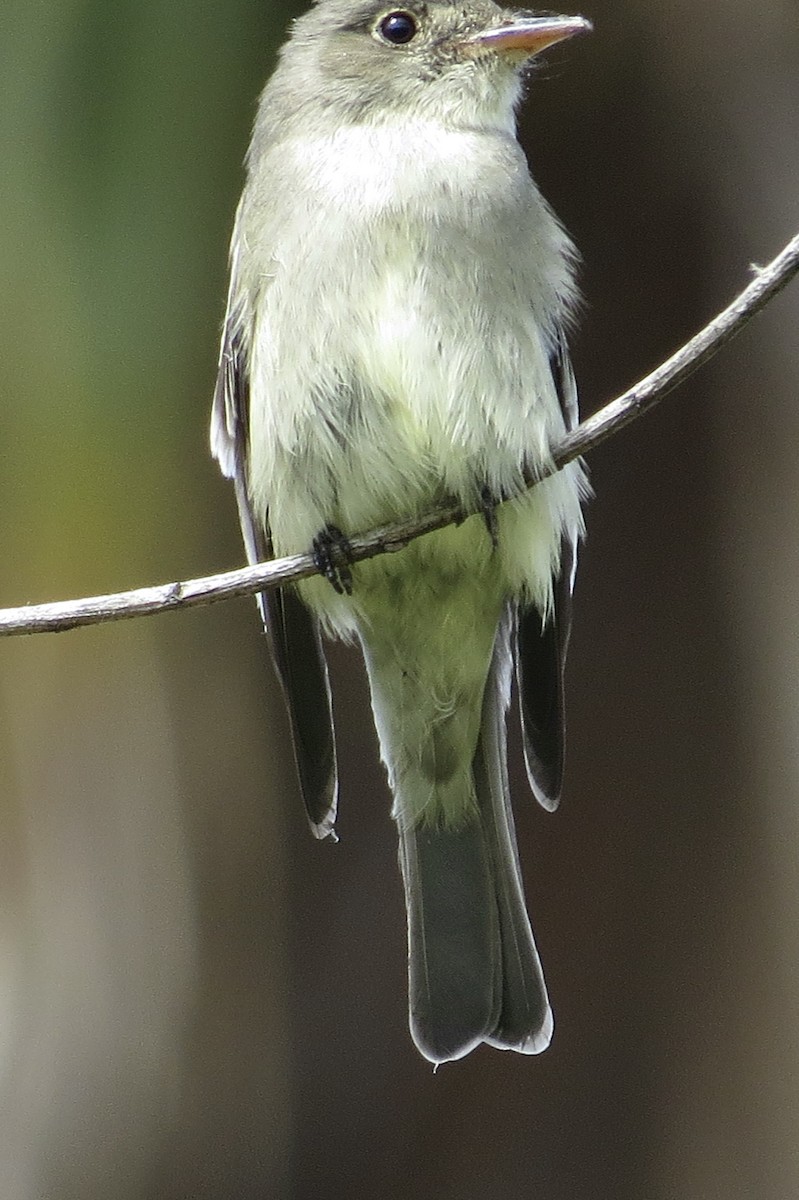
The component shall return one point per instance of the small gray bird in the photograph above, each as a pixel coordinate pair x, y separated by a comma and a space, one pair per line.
394, 336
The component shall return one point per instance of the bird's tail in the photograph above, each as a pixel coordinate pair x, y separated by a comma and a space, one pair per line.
474, 971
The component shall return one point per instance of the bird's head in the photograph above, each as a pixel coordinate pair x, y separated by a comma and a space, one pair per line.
366, 60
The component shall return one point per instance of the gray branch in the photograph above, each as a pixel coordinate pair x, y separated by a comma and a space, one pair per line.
644, 395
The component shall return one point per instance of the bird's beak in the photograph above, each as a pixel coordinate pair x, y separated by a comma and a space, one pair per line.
523, 37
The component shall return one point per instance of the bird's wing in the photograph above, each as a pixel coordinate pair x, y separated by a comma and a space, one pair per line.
294, 637
541, 648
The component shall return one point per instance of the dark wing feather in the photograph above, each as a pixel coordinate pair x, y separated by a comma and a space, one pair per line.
294, 637
541, 648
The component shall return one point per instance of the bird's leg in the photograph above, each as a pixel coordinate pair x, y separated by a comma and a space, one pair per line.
332, 554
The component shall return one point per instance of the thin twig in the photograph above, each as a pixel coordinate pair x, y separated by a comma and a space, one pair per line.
644, 395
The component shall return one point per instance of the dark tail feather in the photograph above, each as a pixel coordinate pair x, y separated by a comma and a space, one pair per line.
453, 939
525, 1019
474, 972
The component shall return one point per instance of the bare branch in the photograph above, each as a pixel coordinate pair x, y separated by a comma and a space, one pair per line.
644, 395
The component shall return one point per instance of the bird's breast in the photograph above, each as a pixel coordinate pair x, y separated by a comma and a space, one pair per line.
400, 333
410, 165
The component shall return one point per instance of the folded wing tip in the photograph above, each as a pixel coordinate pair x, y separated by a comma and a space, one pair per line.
325, 832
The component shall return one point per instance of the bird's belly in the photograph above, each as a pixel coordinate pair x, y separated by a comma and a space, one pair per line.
369, 456
391, 405
386, 398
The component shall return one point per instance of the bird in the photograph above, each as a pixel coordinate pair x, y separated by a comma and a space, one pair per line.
395, 335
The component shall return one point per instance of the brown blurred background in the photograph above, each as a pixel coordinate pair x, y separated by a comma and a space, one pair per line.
198, 1000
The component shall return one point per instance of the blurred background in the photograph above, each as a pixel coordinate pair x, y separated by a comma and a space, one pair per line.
197, 999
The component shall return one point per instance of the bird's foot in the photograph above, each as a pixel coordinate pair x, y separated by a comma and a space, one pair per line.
332, 554
488, 507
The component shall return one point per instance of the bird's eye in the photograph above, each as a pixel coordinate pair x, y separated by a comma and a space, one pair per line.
398, 27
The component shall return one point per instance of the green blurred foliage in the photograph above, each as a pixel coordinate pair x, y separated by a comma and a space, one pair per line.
121, 133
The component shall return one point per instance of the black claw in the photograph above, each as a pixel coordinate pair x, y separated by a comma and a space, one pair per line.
488, 504
332, 554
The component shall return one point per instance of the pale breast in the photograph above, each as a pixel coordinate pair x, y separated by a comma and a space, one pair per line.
401, 335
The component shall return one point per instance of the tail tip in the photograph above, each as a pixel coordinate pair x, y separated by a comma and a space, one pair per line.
533, 1043
438, 1050
538, 1042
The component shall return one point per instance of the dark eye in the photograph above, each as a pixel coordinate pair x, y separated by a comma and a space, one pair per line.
398, 27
